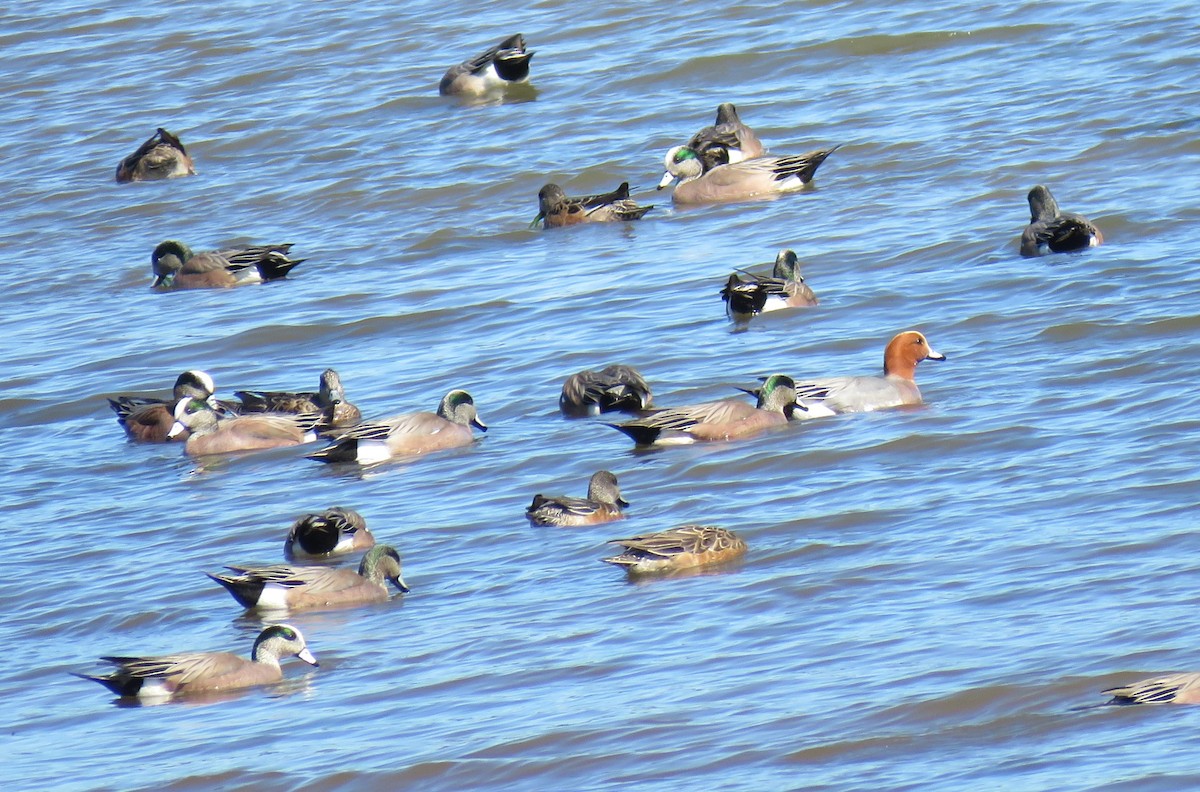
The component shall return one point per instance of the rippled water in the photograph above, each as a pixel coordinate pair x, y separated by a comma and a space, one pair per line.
932, 598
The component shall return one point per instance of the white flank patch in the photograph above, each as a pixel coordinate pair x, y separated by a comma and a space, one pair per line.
774, 303
816, 409
273, 597
154, 687
372, 451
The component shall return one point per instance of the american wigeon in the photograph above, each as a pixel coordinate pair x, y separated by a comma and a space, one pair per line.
1169, 689
175, 266
685, 547
162, 156
149, 420
290, 587
726, 419
1052, 231
759, 294
205, 672
614, 388
602, 504
738, 181
210, 433
505, 64
409, 433
557, 209
728, 140
865, 393
329, 401
335, 531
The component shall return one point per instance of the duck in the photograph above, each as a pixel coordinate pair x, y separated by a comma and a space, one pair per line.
408, 433
727, 141
784, 289
1169, 689
175, 266
602, 504
149, 420
701, 181
615, 388
211, 433
167, 676
335, 531
329, 401
557, 209
896, 388
503, 65
1052, 231
685, 547
291, 587
726, 419
162, 156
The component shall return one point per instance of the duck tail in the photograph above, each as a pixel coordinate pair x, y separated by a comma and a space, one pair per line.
345, 450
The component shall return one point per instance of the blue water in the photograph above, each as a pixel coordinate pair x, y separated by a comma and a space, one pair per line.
932, 598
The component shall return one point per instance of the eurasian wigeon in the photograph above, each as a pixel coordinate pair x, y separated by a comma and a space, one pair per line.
865, 393
205, 672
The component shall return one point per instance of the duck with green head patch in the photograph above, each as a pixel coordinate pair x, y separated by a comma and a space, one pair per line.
175, 266
785, 288
407, 434
165, 676
211, 433
291, 587
726, 419
703, 182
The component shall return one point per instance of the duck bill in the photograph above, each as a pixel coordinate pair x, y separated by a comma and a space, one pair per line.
177, 429
624, 504
307, 657
934, 355
400, 585
667, 178
479, 424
